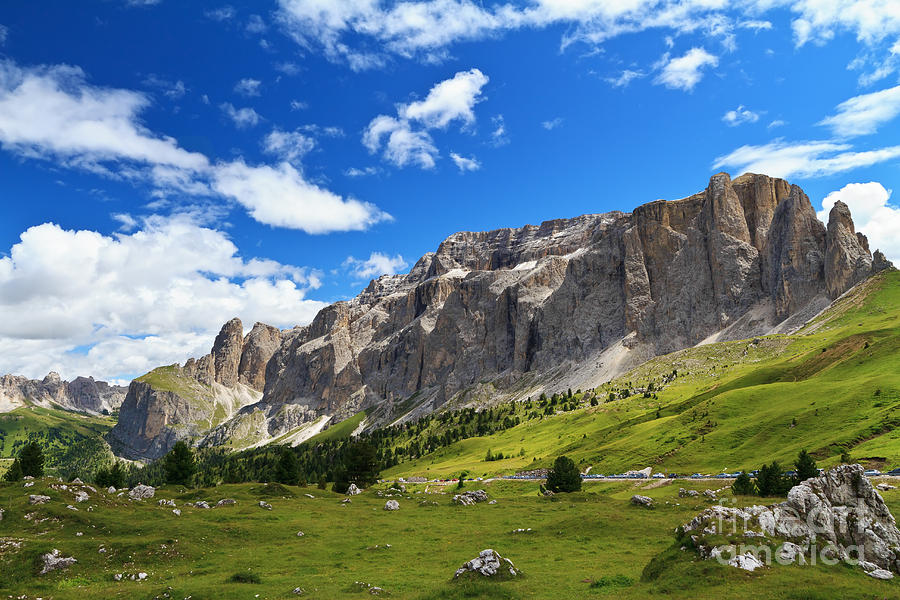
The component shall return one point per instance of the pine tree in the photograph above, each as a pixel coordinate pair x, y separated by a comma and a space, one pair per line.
771, 481
179, 465
288, 466
564, 476
14, 473
743, 486
31, 459
360, 465
806, 467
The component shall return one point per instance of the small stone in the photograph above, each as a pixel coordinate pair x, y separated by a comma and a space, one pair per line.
176, 512
881, 574
300, 534
110, 490
38, 499
141, 492
226, 502
81, 497
353, 490
265, 505
391, 505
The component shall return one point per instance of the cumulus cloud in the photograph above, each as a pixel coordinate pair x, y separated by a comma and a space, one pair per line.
684, 72
241, 117
405, 139
365, 34
873, 214
863, 114
80, 302
465, 164
223, 13
739, 116
781, 158
4, 33
376, 265
248, 87
280, 196
53, 113
288, 145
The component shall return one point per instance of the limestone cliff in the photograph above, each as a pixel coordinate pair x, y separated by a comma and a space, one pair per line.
186, 402
82, 394
568, 303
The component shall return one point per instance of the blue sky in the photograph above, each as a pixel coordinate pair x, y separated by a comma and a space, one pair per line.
168, 165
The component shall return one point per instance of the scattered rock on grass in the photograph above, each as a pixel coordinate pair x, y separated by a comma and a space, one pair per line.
683, 493
55, 560
391, 505
164, 502
265, 505
353, 490
471, 497
885, 487
226, 502
176, 512
644, 501
488, 563
141, 492
38, 499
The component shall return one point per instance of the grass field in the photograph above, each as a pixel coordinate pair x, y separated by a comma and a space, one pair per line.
582, 545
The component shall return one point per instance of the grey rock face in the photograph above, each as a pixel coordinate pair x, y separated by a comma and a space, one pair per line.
575, 301
847, 257
82, 394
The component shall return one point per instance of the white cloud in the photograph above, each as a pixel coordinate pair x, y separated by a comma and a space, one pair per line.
365, 33
376, 265
873, 214
223, 13
499, 135
52, 113
776, 123
407, 139
684, 72
280, 196
818, 21
465, 164
862, 115
755, 25
802, 159
552, 123
739, 116
4, 33
297, 105
173, 90
450, 100
364, 172
241, 117
288, 145
248, 87
155, 296
255, 24
625, 78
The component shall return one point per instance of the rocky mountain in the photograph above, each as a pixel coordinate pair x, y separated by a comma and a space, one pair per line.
83, 394
185, 402
513, 312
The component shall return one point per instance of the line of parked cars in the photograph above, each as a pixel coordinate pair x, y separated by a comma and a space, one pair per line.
754, 474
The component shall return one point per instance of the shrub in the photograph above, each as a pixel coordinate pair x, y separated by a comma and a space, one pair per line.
805, 466
31, 459
245, 578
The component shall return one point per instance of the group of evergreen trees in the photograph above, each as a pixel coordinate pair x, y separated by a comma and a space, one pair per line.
29, 463
771, 479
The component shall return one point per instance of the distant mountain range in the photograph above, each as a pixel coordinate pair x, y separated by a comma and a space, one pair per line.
510, 313
83, 394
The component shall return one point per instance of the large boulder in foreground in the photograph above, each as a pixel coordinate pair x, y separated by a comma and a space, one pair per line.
488, 563
471, 497
836, 516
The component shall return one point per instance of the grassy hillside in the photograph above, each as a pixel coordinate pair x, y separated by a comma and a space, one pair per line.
72, 442
584, 545
833, 387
